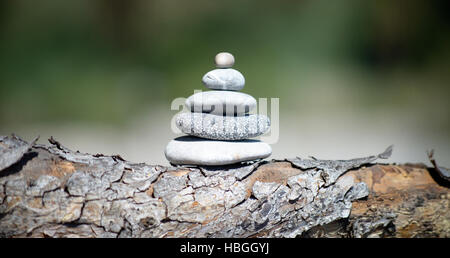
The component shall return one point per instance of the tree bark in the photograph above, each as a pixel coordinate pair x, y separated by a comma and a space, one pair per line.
51, 191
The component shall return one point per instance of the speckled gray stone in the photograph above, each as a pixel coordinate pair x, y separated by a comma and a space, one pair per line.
196, 151
221, 102
222, 127
224, 79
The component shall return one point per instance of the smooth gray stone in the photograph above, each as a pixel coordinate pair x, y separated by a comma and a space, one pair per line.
221, 102
224, 60
227, 128
196, 151
224, 79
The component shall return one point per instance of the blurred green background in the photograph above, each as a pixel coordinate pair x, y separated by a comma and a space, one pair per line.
352, 76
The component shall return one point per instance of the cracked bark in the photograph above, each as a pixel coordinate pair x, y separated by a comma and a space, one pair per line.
51, 191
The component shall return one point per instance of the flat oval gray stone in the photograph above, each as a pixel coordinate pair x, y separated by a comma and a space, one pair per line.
224, 79
221, 102
227, 128
196, 151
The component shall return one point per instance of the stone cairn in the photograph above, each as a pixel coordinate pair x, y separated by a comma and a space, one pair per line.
219, 124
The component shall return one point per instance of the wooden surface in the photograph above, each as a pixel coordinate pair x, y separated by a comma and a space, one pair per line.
51, 191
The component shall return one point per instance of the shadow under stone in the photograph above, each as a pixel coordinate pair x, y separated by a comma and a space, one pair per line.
198, 139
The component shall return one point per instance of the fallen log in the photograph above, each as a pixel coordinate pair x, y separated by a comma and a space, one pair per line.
52, 191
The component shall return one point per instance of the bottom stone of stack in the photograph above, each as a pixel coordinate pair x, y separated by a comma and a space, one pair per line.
191, 150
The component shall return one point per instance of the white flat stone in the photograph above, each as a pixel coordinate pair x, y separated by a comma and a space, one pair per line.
217, 127
196, 151
221, 102
224, 79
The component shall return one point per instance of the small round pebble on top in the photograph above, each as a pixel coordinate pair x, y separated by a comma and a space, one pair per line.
224, 60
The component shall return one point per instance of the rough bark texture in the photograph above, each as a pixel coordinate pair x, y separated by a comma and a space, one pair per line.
51, 191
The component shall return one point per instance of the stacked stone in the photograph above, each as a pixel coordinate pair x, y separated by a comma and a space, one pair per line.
219, 123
